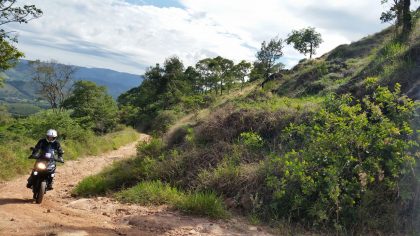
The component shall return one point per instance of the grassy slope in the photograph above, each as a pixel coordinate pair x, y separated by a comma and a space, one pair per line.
344, 69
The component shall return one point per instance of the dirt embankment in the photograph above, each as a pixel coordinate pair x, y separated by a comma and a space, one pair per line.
61, 214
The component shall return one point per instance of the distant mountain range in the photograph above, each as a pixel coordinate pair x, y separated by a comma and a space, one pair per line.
19, 90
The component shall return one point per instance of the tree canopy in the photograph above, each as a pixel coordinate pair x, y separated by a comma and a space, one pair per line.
305, 40
174, 87
268, 55
94, 108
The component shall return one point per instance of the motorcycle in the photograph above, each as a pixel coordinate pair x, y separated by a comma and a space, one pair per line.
42, 174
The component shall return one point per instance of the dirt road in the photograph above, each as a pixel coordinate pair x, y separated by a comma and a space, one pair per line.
61, 214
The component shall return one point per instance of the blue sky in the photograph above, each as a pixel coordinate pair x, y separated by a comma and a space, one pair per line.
131, 35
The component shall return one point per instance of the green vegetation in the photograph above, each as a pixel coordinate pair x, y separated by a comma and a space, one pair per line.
10, 13
329, 145
158, 193
306, 40
207, 204
93, 107
17, 136
147, 193
168, 92
301, 151
267, 59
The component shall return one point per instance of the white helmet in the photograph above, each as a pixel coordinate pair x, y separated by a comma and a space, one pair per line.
51, 135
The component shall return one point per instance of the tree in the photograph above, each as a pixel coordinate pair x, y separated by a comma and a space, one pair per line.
9, 54
53, 81
306, 40
192, 77
93, 107
268, 55
222, 68
241, 70
174, 85
207, 75
10, 13
399, 12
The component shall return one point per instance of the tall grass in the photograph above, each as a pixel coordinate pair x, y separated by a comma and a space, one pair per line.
117, 176
203, 203
156, 192
276, 102
153, 192
98, 144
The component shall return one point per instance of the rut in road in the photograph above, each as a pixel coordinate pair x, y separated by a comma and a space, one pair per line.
61, 214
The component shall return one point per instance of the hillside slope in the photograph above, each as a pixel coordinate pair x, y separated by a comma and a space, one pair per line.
324, 148
344, 69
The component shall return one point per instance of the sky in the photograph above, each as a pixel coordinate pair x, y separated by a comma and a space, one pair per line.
131, 35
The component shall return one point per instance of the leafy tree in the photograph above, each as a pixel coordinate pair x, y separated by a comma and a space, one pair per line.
9, 13
174, 85
193, 78
222, 68
93, 107
53, 81
9, 55
306, 40
400, 13
241, 70
268, 55
257, 72
207, 75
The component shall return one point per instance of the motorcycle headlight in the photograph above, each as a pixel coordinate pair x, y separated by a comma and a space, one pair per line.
41, 166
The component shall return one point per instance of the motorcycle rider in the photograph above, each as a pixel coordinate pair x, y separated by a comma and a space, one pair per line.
43, 145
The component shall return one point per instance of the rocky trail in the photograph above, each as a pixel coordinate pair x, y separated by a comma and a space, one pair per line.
62, 214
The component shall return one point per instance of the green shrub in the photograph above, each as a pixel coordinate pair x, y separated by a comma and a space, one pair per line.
152, 149
36, 125
350, 149
164, 120
251, 140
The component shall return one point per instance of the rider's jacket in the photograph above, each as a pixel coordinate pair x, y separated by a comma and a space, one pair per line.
44, 146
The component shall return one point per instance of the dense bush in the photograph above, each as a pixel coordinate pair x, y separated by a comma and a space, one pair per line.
350, 151
36, 125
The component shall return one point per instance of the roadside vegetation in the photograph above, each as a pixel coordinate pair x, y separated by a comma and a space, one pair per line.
329, 146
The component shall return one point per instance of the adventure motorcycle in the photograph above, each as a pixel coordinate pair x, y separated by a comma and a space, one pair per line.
42, 174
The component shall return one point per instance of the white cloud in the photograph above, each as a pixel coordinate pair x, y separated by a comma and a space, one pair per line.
122, 36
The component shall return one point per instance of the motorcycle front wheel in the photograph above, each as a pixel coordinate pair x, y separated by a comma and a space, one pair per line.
40, 193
